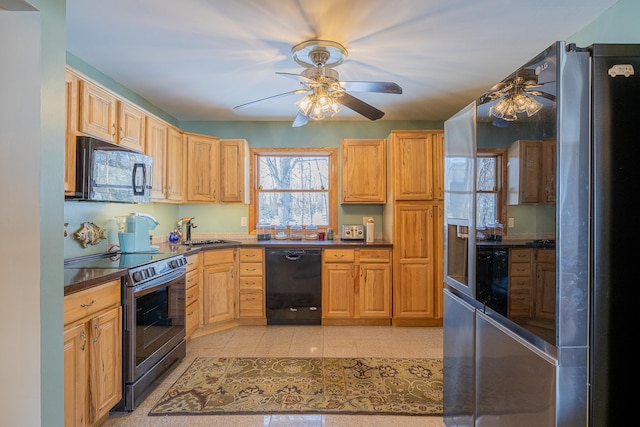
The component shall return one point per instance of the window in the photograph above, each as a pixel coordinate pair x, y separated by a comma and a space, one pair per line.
490, 206
294, 186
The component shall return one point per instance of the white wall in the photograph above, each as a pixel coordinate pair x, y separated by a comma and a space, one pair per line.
20, 213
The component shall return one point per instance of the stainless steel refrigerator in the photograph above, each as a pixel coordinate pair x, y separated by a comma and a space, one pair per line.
539, 321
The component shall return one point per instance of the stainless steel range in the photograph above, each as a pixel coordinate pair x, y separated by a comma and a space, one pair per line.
154, 325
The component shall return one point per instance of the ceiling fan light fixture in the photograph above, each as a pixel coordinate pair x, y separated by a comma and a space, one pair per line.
517, 101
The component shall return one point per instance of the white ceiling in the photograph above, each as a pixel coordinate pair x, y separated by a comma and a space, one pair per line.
197, 59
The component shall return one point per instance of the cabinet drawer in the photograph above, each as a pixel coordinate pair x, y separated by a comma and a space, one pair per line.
193, 262
251, 269
254, 283
520, 303
520, 269
375, 255
91, 301
546, 255
339, 255
220, 256
520, 283
251, 255
192, 279
251, 303
520, 255
192, 295
192, 318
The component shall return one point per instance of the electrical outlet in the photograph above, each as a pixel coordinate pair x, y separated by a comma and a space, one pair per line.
511, 223
243, 221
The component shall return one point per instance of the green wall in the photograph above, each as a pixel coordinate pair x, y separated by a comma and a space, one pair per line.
619, 24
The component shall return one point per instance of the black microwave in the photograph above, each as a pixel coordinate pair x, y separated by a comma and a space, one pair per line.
107, 172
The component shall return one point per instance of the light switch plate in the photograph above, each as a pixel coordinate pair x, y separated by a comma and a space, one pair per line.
243, 221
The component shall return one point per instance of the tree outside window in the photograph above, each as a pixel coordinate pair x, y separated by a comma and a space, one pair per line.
294, 187
490, 205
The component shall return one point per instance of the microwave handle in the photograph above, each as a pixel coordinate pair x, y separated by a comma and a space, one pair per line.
139, 190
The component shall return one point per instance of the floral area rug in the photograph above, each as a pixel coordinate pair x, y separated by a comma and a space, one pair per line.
229, 386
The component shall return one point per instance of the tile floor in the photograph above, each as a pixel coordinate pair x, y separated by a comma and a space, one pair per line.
295, 341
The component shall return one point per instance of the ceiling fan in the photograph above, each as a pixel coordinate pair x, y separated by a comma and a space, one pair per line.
516, 94
324, 92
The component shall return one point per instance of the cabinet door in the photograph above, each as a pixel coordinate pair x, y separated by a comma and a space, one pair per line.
548, 184
218, 294
413, 268
438, 165
202, 166
176, 166
363, 171
75, 376
338, 290
105, 377
71, 131
234, 162
97, 112
373, 290
157, 134
131, 127
524, 167
439, 260
546, 285
412, 153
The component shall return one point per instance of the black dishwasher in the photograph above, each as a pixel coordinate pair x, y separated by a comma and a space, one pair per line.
294, 286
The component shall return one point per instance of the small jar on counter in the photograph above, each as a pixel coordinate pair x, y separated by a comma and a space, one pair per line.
295, 232
329, 233
311, 232
263, 230
280, 232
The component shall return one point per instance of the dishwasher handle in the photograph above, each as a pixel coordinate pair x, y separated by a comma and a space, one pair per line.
293, 257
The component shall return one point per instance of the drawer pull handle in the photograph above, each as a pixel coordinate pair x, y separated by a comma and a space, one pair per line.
84, 339
85, 305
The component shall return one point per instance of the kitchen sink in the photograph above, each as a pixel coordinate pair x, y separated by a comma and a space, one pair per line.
209, 242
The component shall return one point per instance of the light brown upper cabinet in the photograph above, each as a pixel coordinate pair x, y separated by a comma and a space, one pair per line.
203, 157
71, 132
131, 126
165, 144
363, 169
234, 171
97, 112
531, 172
157, 142
414, 162
176, 166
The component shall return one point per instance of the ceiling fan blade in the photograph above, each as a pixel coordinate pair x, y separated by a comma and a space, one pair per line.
360, 106
380, 87
541, 94
293, 92
298, 77
300, 120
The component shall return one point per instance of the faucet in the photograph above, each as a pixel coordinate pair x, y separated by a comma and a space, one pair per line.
188, 223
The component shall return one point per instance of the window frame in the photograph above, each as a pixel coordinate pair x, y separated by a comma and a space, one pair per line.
501, 192
331, 153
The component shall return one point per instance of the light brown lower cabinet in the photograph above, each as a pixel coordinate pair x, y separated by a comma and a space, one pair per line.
219, 284
92, 354
356, 286
192, 298
251, 288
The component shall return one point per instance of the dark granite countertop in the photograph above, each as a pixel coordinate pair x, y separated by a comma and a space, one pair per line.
77, 279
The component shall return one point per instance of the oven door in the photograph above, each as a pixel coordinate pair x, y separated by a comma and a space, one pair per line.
154, 322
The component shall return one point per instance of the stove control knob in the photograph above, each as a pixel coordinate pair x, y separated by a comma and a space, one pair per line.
137, 276
151, 271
